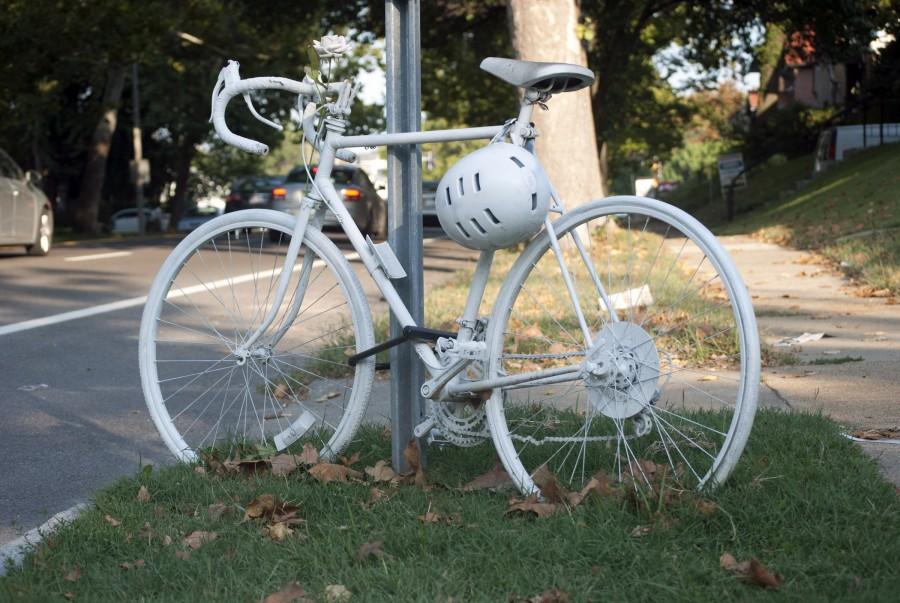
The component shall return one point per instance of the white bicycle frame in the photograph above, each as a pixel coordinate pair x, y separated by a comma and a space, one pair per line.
311, 212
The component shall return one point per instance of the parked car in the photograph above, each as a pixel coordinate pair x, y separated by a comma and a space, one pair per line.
196, 216
253, 191
837, 142
362, 201
125, 221
26, 216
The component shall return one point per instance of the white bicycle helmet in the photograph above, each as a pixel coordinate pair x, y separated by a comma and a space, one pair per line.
494, 197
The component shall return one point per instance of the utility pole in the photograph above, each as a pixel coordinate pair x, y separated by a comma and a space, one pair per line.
136, 171
405, 212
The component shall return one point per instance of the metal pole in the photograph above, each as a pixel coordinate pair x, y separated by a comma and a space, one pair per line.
138, 148
404, 211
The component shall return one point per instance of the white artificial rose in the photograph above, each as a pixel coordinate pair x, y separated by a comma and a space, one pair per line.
330, 47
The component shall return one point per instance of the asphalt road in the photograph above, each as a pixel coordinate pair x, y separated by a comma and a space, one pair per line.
73, 415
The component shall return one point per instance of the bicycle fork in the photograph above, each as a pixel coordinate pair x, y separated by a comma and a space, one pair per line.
307, 209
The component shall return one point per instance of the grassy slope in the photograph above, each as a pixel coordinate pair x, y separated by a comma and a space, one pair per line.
804, 501
859, 195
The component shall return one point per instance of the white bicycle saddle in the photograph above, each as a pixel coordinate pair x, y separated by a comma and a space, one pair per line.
545, 77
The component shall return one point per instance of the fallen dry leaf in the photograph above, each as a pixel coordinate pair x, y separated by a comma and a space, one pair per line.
531, 505
752, 571
707, 508
74, 575
198, 538
183, 554
264, 504
877, 434
248, 466
309, 455
280, 392
494, 479
167, 540
147, 531
375, 496
337, 593
708, 378
414, 460
550, 487
128, 566
371, 549
554, 595
217, 510
381, 472
329, 472
599, 485
200, 470
143, 494
112, 521
354, 458
289, 593
641, 531
279, 531
284, 464
432, 517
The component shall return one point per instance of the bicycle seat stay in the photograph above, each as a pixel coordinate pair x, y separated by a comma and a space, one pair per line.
544, 77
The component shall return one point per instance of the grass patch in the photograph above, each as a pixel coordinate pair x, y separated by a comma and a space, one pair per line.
859, 196
804, 501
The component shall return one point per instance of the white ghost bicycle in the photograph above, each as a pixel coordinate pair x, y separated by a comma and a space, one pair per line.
622, 338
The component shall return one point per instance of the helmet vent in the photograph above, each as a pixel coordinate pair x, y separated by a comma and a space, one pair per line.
533, 201
516, 161
462, 189
491, 216
449, 202
477, 226
463, 230
477, 182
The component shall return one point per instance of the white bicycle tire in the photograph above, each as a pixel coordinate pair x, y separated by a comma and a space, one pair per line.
319, 244
746, 402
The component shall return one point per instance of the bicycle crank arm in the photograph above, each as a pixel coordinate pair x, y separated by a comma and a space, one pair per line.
571, 373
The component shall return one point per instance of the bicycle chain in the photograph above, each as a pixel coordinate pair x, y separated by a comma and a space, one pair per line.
558, 356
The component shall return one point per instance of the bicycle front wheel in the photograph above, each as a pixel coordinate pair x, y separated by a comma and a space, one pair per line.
638, 353
205, 391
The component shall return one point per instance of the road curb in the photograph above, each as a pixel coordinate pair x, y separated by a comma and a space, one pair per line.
15, 550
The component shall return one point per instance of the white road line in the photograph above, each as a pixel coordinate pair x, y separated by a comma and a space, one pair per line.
97, 256
140, 301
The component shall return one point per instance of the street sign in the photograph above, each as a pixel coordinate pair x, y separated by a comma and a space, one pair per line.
731, 168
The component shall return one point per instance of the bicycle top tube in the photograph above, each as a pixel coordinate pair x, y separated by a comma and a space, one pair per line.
422, 137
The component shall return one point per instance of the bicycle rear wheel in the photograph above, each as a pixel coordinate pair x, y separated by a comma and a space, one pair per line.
211, 294
664, 387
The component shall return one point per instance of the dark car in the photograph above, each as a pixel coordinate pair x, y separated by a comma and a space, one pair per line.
250, 192
26, 217
362, 201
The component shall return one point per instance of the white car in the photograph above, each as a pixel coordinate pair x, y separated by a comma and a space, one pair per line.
197, 216
26, 217
125, 221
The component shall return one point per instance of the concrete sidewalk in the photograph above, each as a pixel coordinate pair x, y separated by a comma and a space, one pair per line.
795, 294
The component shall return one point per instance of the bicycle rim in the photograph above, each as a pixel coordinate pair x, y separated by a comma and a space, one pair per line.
211, 294
665, 393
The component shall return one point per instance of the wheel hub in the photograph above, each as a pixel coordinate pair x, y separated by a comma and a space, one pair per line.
621, 370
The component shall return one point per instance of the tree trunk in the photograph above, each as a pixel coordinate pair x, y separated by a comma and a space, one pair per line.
95, 170
183, 161
545, 30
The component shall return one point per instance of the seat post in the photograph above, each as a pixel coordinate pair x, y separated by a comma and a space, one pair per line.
523, 130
